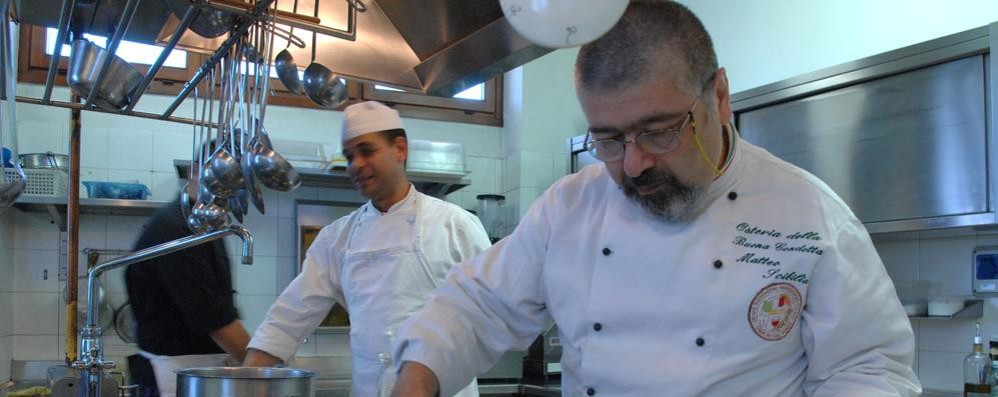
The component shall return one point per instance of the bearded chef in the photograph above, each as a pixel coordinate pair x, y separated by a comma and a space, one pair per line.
380, 262
688, 263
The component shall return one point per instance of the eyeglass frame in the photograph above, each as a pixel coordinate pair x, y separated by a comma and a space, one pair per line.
673, 141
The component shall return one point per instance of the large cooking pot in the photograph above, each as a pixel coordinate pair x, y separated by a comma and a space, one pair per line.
244, 382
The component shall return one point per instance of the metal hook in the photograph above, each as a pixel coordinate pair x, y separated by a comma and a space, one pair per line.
358, 4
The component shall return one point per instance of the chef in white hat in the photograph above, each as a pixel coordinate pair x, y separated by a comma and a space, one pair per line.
380, 262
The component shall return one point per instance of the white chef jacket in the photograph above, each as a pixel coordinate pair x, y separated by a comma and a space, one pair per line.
774, 290
425, 235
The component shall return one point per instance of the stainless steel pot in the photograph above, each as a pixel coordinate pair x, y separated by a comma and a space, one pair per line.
44, 160
244, 382
118, 86
208, 22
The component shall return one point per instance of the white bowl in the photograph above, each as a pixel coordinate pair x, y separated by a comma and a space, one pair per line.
945, 306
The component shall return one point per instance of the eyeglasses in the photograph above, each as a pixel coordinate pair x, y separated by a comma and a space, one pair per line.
655, 141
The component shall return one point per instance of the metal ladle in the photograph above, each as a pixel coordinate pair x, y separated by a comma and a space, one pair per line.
252, 186
212, 214
210, 210
238, 204
222, 173
322, 85
287, 69
270, 168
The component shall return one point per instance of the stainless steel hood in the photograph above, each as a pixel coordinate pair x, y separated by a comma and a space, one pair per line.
438, 47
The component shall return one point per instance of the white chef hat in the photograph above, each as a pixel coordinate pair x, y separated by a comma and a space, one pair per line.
366, 117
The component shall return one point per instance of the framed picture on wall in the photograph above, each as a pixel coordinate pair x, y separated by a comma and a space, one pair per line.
311, 216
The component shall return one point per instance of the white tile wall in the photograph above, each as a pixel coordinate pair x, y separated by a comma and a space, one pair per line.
36, 270
947, 262
130, 176
93, 232
258, 278
536, 170
130, 149
940, 261
35, 231
6, 296
286, 247
165, 185
36, 347
40, 137
5, 357
253, 309
6, 315
94, 142
941, 370
36, 312
123, 230
168, 146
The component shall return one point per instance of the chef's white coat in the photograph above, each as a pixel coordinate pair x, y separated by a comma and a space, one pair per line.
774, 290
381, 267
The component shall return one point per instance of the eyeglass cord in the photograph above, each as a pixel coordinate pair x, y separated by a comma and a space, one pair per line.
703, 153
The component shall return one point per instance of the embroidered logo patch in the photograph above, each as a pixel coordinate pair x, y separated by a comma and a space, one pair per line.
774, 310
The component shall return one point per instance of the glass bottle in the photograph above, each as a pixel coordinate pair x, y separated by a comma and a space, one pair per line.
977, 370
994, 378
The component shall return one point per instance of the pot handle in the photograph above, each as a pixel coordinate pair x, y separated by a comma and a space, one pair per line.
50, 157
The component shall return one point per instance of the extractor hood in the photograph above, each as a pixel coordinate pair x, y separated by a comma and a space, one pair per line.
440, 47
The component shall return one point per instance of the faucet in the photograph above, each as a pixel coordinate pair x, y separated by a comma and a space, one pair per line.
92, 363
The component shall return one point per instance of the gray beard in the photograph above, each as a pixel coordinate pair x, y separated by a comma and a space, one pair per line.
674, 202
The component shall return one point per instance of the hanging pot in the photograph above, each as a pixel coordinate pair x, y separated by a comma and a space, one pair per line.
208, 22
119, 84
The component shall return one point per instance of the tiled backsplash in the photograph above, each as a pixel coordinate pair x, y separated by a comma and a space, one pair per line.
942, 258
6, 296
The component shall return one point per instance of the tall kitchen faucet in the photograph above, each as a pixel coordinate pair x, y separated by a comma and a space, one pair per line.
92, 364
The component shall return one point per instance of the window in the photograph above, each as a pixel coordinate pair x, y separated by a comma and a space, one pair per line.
481, 104
131, 52
476, 93
37, 44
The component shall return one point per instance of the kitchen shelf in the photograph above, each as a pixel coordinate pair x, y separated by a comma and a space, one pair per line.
973, 308
56, 207
430, 183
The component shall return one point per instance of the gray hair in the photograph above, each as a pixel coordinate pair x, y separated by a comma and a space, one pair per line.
649, 35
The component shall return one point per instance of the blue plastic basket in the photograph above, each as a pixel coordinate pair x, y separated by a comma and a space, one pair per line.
116, 190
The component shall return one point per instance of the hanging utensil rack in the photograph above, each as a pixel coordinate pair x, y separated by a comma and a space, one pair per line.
248, 15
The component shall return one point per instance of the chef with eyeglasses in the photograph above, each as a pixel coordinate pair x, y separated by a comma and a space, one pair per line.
688, 263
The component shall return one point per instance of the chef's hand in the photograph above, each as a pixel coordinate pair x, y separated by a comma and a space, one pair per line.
416, 380
259, 358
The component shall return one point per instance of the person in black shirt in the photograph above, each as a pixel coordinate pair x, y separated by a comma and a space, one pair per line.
183, 305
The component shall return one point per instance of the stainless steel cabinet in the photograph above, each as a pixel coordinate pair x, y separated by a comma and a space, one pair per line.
902, 147
903, 137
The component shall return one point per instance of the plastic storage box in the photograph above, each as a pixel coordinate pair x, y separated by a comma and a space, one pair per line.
116, 190
436, 157
42, 182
